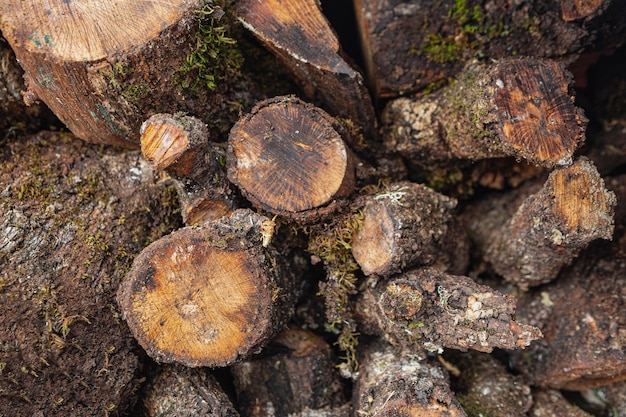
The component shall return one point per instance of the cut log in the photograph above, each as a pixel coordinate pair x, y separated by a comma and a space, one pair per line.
550, 227
186, 392
296, 376
410, 45
180, 146
429, 310
209, 295
288, 158
298, 33
520, 107
395, 382
551, 403
406, 225
103, 69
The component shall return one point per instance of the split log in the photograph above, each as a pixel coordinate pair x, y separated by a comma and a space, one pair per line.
406, 225
551, 403
208, 295
104, 69
520, 107
428, 309
484, 387
396, 382
529, 243
289, 158
409, 45
295, 376
186, 392
72, 218
298, 33
582, 317
179, 145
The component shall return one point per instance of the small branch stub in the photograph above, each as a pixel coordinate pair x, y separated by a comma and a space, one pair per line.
288, 158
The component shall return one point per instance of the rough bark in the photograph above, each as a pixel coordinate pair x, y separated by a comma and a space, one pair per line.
409, 45
208, 295
185, 392
394, 382
295, 376
299, 35
551, 403
72, 218
180, 146
530, 242
409, 224
520, 107
289, 158
427, 309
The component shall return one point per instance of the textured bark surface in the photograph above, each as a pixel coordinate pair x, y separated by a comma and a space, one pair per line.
208, 295
551, 403
520, 107
72, 218
289, 158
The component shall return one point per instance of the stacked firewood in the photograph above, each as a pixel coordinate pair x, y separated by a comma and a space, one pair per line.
433, 238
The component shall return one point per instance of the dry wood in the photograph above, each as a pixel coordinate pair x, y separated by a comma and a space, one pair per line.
409, 45
428, 309
298, 33
409, 224
529, 243
396, 382
209, 295
289, 158
519, 107
295, 376
551, 403
186, 392
180, 145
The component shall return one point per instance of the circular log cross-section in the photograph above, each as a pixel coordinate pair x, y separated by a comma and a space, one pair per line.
288, 157
202, 297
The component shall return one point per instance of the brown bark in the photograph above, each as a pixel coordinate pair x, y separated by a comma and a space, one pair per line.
406, 225
295, 376
186, 392
519, 107
409, 45
207, 295
529, 243
551, 403
289, 158
428, 309
298, 33
180, 146
72, 218
395, 382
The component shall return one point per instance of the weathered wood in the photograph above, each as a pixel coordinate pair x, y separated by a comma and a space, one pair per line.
520, 107
529, 242
427, 309
295, 376
179, 145
208, 295
72, 218
186, 392
298, 33
409, 224
289, 158
395, 382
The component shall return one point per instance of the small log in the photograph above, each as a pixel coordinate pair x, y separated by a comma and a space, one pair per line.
395, 382
295, 376
406, 225
428, 309
549, 228
180, 146
186, 392
485, 387
209, 295
582, 317
298, 33
519, 107
551, 403
288, 158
